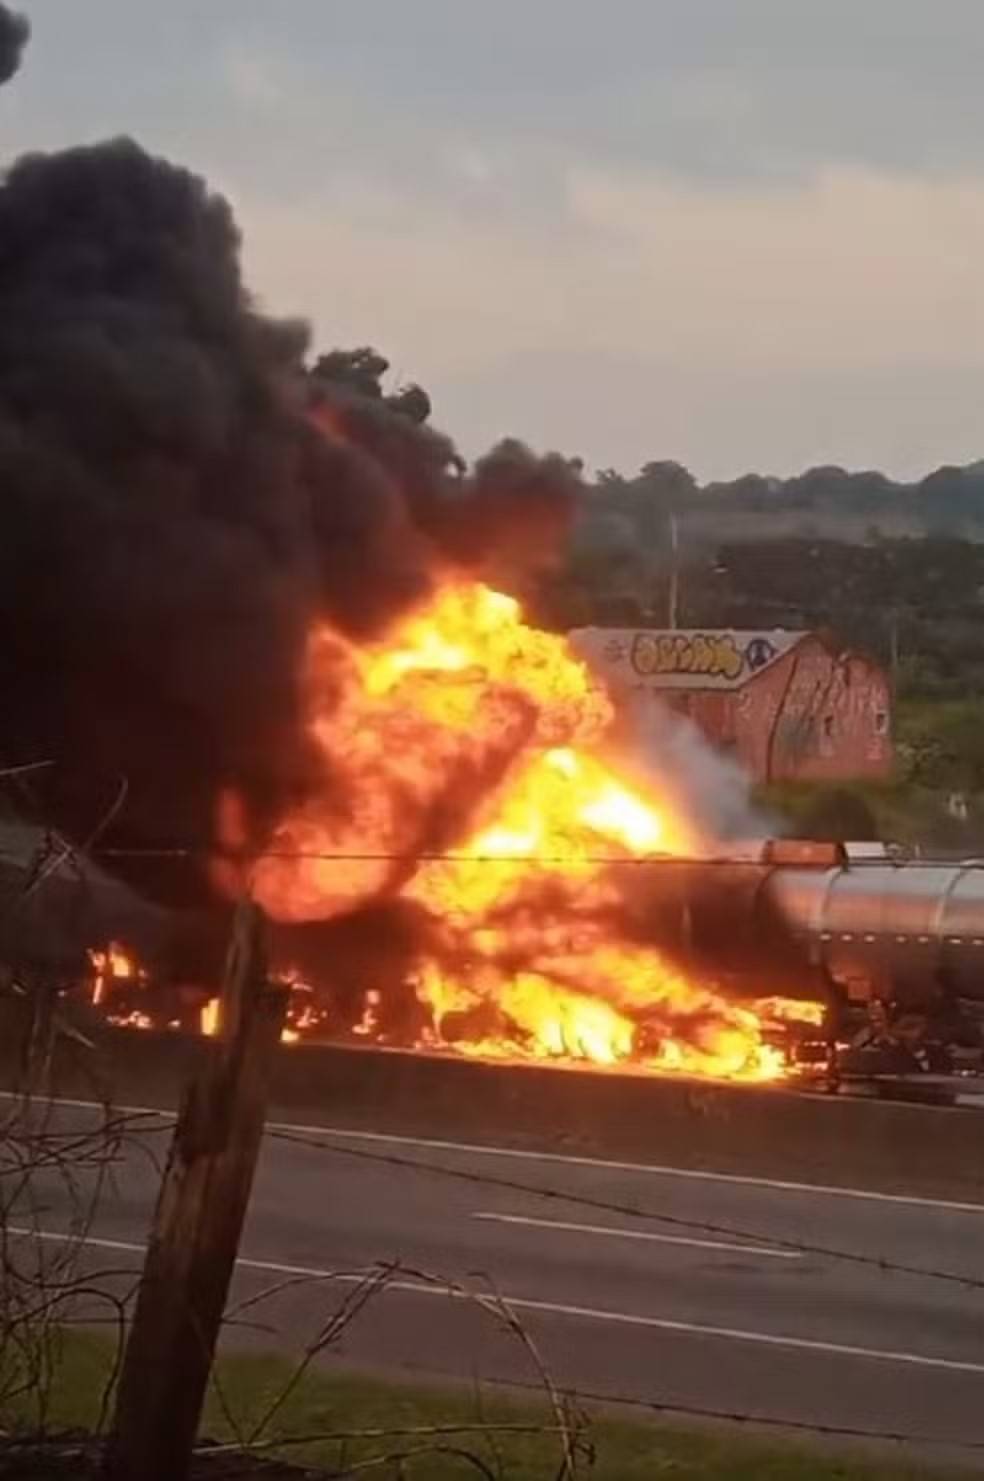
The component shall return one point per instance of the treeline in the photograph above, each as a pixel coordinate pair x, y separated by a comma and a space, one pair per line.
915, 604
828, 502
894, 569
826, 548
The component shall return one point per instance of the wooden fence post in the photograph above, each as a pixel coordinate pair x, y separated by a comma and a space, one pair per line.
197, 1226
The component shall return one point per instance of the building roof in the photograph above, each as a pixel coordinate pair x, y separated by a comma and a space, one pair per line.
693, 658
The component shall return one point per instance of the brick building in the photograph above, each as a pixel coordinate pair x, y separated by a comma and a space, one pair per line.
789, 706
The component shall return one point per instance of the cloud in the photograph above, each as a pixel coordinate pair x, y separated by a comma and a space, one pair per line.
768, 88
250, 78
860, 290
621, 410
851, 269
855, 269
649, 197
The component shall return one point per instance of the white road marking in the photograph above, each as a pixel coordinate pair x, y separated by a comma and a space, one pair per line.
562, 1158
701, 1244
558, 1308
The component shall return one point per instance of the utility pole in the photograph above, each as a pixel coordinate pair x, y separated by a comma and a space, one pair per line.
893, 642
674, 575
198, 1222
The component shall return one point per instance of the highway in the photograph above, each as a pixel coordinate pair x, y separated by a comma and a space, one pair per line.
687, 1290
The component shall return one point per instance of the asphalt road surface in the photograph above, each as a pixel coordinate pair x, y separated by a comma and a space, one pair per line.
689, 1290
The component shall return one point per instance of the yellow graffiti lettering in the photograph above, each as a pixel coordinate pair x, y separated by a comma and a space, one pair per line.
645, 654
715, 655
728, 659
670, 648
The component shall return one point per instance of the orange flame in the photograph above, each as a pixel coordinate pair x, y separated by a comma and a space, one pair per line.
113, 964
468, 774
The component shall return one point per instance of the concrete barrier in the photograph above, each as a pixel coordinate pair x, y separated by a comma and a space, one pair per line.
747, 1130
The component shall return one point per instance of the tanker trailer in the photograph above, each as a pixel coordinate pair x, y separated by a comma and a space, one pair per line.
901, 942
894, 949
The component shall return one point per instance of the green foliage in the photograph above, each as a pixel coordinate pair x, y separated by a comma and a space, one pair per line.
892, 569
902, 812
914, 602
941, 745
830, 502
895, 569
328, 1400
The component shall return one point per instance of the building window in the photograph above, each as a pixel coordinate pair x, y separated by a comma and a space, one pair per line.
881, 722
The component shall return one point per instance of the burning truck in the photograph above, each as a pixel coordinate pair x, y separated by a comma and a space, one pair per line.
575, 912
254, 631
879, 962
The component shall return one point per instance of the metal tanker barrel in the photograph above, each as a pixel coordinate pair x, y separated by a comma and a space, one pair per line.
962, 933
879, 929
723, 920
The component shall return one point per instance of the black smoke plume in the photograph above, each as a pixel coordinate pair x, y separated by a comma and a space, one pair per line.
179, 500
14, 33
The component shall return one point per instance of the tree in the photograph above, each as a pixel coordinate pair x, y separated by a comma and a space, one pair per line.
668, 482
941, 746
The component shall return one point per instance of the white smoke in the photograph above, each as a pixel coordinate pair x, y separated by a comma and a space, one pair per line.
711, 787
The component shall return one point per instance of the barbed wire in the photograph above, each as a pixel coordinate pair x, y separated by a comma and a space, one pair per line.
385, 1275
200, 852
376, 1279
744, 1417
24, 768
322, 1141
629, 1210
386, 1272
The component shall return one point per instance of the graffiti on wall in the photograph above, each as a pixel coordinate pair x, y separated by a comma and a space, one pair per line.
706, 659
819, 715
833, 712
712, 655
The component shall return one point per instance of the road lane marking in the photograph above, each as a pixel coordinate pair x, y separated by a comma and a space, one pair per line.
558, 1308
701, 1244
521, 1154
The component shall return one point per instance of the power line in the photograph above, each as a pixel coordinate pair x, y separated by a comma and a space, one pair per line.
514, 1185
203, 852
427, 856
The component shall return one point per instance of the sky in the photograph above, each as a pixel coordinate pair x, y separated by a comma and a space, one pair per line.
744, 234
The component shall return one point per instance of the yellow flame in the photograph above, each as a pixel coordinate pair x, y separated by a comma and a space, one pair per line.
211, 1018
788, 1010
471, 751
